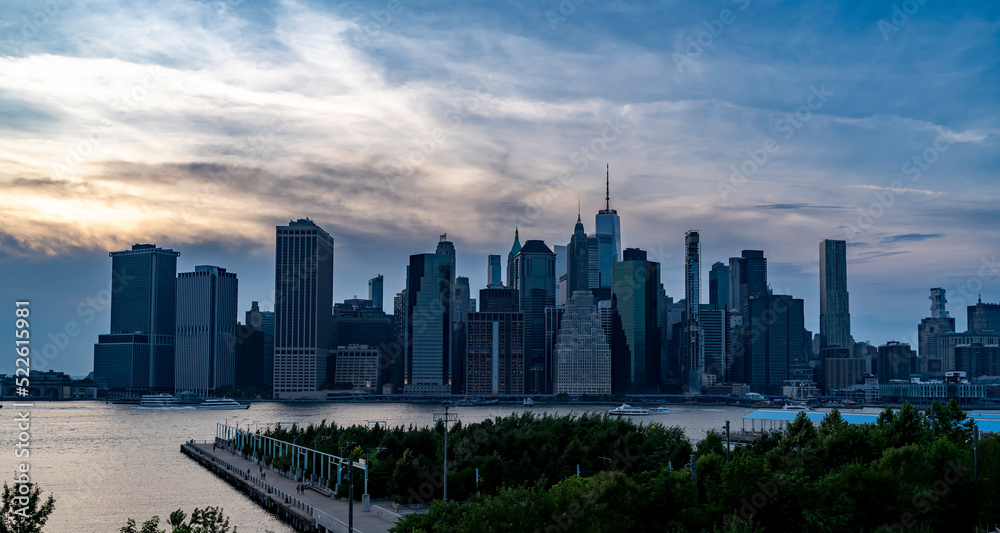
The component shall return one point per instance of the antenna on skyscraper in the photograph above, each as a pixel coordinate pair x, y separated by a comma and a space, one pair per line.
607, 185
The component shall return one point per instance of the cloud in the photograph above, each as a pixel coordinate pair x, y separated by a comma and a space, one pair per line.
911, 237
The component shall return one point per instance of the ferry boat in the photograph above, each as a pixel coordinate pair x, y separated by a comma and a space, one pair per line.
222, 403
160, 401
528, 402
626, 409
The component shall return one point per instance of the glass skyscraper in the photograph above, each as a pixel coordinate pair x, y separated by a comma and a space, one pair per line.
834, 303
635, 333
428, 325
535, 273
139, 353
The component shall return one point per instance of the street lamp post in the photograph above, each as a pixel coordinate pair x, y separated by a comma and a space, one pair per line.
350, 488
446, 418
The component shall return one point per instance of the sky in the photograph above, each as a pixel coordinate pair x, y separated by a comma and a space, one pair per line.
200, 126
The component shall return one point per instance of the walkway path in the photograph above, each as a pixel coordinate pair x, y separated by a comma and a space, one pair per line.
311, 503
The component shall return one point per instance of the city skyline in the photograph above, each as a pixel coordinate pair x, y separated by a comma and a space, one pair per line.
192, 126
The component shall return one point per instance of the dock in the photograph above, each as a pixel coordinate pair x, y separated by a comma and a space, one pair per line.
309, 512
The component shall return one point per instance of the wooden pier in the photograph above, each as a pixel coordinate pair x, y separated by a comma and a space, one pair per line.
310, 512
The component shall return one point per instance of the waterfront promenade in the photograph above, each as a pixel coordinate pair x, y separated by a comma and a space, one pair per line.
309, 511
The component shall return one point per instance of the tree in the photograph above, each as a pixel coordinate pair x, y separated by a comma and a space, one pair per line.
23, 509
207, 520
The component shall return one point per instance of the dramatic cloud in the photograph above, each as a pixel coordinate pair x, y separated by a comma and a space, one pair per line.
202, 125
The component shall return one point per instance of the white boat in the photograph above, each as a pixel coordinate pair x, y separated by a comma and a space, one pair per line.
160, 401
626, 409
795, 407
662, 410
528, 402
222, 403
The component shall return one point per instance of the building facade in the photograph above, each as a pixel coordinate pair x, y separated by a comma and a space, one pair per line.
205, 349
495, 353
303, 304
834, 302
429, 309
635, 333
583, 355
535, 274
138, 354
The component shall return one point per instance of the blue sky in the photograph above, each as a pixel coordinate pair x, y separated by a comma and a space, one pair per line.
200, 126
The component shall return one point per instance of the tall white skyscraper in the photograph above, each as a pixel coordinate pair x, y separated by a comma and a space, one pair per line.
582, 354
205, 350
303, 307
834, 307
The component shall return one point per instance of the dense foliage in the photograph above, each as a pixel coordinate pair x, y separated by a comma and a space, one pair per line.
910, 471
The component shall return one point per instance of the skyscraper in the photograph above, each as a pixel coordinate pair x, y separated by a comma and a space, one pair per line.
375, 286
983, 318
773, 331
930, 330
635, 333
895, 361
428, 336
695, 362
460, 319
495, 353
255, 351
139, 353
609, 239
714, 322
834, 308
578, 260
493, 275
583, 357
511, 271
303, 305
535, 274
735, 266
205, 351
718, 285
753, 277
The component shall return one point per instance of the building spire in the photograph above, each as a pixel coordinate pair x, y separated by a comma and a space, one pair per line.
578, 219
607, 185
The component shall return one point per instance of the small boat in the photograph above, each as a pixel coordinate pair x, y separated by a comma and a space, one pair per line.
795, 407
662, 410
626, 409
528, 402
222, 403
